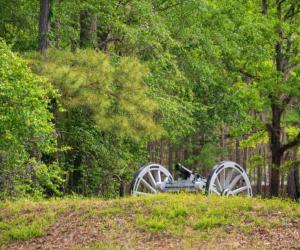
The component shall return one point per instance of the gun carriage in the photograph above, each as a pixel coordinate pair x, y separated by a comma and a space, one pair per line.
226, 178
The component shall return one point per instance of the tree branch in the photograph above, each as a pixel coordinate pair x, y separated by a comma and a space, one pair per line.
287, 100
291, 144
247, 74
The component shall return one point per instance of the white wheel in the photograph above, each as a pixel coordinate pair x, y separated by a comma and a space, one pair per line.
228, 178
150, 179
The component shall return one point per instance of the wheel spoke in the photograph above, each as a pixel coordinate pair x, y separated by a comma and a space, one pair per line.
213, 189
158, 176
152, 180
228, 178
223, 174
234, 181
146, 184
219, 184
241, 189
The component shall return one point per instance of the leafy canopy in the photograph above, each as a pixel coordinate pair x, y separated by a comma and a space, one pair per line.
112, 90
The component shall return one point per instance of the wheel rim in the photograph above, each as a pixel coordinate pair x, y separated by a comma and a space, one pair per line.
150, 179
229, 178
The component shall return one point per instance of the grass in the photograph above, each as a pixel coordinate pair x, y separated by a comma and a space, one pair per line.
24, 220
178, 220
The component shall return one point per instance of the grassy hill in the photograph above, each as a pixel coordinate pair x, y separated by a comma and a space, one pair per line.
166, 221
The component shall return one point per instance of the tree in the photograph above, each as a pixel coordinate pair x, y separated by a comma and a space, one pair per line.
19, 26
88, 29
261, 55
283, 93
44, 25
173, 73
109, 117
256, 57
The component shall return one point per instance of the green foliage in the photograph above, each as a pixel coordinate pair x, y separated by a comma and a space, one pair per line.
109, 117
256, 161
112, 92
255, 139
95, 156
169, 70
18, 24
26, 130
49, 179
209, 155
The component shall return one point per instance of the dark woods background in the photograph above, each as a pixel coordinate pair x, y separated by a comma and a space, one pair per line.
92, 89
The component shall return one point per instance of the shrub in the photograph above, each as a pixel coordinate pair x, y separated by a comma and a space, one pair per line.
26, 130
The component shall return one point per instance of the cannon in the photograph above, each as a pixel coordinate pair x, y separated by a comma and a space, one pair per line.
227, 178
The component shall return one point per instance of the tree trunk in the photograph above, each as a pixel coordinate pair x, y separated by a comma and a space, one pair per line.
171, 159
293, 183
275, 146
88, 30
177, 154
122, 189
293, 188
245, 158
161, 152
259, 175
222, 143
259, 179
282, 187
237, 152
149, 149
266, 170
57, 38
264, 7
274, 182
57, 25
44, 25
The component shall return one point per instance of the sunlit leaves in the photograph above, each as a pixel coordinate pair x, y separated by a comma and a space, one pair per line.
25, 119
113, 92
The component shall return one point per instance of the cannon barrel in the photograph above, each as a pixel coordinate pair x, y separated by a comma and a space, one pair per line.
185, 172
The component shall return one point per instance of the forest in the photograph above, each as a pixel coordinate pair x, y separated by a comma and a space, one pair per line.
92, 89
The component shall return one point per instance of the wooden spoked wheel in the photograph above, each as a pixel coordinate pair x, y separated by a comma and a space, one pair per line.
228, 178
150, 179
